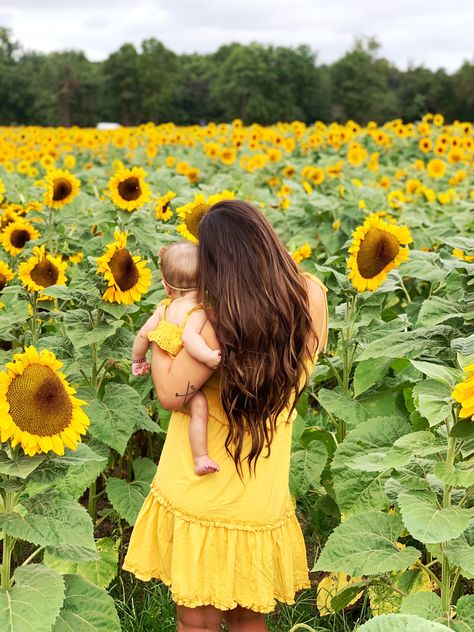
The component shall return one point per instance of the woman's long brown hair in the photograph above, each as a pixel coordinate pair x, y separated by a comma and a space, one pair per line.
258, 304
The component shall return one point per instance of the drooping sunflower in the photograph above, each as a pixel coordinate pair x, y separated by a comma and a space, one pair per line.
128, 189
61, 188
192, 213
376, 249
16, 235
128, 276
42, 270
37, 405
464, 393
162, 209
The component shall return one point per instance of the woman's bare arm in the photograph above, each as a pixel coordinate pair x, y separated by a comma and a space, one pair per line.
319, 315
176, 380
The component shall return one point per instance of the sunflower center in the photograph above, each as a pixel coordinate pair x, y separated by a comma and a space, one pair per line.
62, 188
377, 250
3, 281
129, 189
194, 218
19, 237
45, 273
39, 403
124, 269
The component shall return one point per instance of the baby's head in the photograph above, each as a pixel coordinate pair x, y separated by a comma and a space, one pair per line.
179, 265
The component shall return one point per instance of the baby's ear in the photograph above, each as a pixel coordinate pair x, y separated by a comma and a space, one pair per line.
162, 251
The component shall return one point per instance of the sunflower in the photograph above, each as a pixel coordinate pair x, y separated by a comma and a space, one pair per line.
16, 235
127, 276
375, 250
162, 208
2, 191
192, 213
41, 271
436, 168
303, 252
37, 406
464, 393
128, 189
61, 188
6, 274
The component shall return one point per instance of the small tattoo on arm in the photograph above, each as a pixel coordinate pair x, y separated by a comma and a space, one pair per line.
190, 389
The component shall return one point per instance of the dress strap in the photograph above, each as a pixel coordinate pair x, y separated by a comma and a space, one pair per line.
313, 277
166, 301
191, 311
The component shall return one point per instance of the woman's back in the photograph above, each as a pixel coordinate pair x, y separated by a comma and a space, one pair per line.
220, 539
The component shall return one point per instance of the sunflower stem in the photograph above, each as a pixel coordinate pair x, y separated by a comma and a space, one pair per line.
445, 569
405, 291
8, 543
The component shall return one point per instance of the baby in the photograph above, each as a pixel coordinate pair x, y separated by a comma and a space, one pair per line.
177, 322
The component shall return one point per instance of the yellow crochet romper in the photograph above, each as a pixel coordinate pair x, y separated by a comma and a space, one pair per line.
167, 335
215, 539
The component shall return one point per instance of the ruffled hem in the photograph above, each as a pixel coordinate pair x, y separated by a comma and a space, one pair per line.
211, 601
216, 563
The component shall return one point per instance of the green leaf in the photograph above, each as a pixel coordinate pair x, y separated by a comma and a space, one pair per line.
306, 467
113, 417
356, 490
462, 429
127, 498
51, 518
438, 372
423, 265
401, 623
34, 601
366, 544
460, 475
344, 598
144, 469
100, 572
86, 608
433, 400
459, 553
465, 609
429, 524
342, 406
436, 310
400, 344
465, 346
369, 372
82, 333
399, 455
424, 604
20, 465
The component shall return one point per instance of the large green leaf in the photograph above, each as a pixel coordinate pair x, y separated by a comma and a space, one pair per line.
114, 417
429, 524
465, 609
50, 518
409, 344
342, 406
369, 372
380, 459
423, 604
438, 372
436, 310
20, 465
82, 333
100, 572
307, 465
361, 490
459, 475
366, 544
401, 623
460, 553
34, 602
127, 498
86, 608
433, 400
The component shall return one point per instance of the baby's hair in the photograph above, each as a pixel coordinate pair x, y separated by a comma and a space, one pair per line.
179, 265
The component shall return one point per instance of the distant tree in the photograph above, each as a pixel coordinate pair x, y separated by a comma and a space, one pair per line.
463, 92
158, 70
121, 89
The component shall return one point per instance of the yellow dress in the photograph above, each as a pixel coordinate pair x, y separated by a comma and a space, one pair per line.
215, 540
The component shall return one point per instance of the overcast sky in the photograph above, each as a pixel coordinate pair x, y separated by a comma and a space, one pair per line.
433, 33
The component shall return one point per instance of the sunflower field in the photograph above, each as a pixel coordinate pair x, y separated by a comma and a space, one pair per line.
382, 465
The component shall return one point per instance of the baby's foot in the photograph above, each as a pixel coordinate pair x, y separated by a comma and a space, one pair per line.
205, 465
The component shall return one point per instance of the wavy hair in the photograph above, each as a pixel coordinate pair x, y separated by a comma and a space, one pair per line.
257, 301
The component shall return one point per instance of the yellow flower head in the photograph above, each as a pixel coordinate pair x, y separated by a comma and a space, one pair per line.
16, 235
464, 393
42, 270
376, 249
128, 189
37, 405
61, 188
163, 210
192, 213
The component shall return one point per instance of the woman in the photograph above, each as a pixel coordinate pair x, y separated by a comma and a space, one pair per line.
229, 544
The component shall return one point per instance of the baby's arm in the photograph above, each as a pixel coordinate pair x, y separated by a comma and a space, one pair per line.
142, 343
195, 344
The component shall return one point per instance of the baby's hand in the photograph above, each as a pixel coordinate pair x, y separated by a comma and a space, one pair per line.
214, 359
140, 368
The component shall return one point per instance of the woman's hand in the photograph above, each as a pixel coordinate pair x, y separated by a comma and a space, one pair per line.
176, 380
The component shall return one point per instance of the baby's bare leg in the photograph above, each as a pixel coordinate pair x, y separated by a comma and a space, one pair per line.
198, 435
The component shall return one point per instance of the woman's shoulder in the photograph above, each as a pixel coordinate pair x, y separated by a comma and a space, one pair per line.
318, 307
315, 280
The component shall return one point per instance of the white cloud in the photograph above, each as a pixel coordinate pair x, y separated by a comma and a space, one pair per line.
410, 31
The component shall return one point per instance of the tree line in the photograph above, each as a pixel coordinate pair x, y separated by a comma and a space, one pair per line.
255, 83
